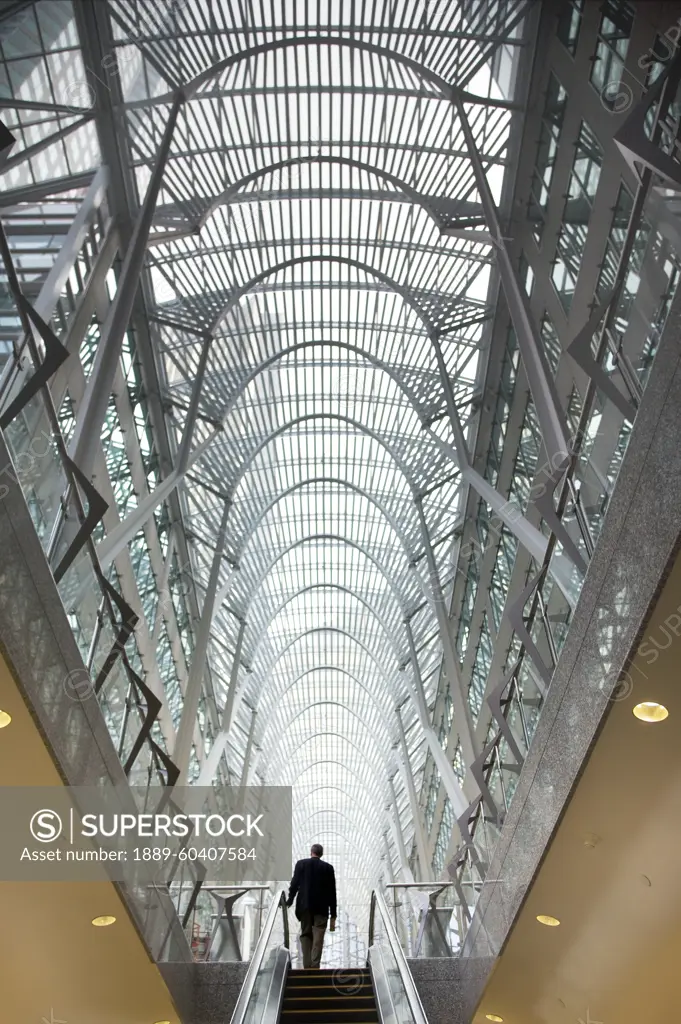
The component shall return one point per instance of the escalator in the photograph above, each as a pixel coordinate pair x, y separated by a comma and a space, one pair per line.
383, 992
325, 996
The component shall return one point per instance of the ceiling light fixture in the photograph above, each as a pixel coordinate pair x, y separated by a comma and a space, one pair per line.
493, 1016
651, 711
550, 922
104, 921
162, 1022
5, 719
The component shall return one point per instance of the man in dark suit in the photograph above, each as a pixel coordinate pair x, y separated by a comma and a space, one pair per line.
315, 883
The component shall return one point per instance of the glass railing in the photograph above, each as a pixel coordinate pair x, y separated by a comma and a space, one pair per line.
262, 992
429, 918
396, 995
222, 923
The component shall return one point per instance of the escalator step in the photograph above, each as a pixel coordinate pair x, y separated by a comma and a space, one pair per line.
329, 996
339, 982
331, 985
330, 972
333, 1012
349, 989
318, 1016
332, 1001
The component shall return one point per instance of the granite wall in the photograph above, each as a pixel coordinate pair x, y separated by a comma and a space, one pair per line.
438, 982
208, 992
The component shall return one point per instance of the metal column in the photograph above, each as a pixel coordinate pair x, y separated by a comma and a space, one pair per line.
210, 765
92, 413
398, 839
463, 719
185, 732
458, 799
249, 749
164, 595
542, 386
121, 535
424, 862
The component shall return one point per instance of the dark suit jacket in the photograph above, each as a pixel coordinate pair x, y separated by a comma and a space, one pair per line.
315, 883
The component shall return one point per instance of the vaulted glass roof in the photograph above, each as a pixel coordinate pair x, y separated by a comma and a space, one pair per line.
319, 217
319, 244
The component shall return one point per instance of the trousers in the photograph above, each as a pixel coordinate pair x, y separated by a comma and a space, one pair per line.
312, 929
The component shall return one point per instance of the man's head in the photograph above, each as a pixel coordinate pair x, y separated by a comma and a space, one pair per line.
317, 850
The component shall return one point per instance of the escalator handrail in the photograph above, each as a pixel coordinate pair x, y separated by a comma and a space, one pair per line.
258, 956
415, 1004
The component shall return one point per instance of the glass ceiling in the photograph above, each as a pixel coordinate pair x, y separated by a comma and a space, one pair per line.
319, 217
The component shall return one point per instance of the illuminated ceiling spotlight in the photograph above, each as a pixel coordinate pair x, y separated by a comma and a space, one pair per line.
651, 711
550, 922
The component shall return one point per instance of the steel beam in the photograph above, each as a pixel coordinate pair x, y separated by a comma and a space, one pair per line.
424, 862
26, 154
398, 839
462, 712
53, 284
185, 732
451, 783
249, 749
540, 379
190, 423
164, 595
87, 434
210, 765
121, 535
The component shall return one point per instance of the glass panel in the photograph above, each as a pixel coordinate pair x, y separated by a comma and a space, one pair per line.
569, 23
261, 989
547, 148
611, 49
582, 188
37, 465
387, 969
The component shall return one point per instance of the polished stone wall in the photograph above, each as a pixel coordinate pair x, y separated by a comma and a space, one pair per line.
438, 982
640, 535
207, 993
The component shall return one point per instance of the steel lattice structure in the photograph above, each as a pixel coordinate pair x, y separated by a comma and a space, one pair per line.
317, 290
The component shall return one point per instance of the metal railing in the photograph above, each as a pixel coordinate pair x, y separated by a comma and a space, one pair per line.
261, 994
396, 995
425, 928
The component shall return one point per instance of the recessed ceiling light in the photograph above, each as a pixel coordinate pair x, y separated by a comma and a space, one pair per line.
493, 1016
162, 1022
550, 922
104, 921
651, 711
5, 719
